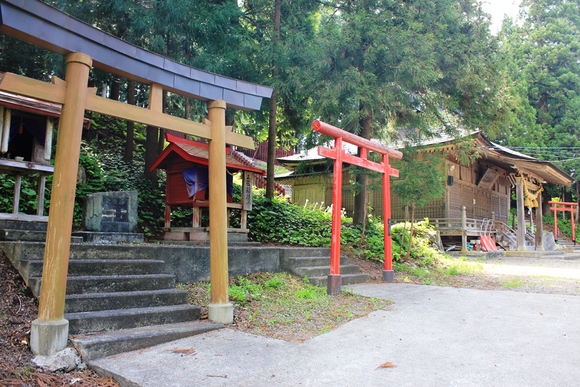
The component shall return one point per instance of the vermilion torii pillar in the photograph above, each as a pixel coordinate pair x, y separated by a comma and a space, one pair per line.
339, 155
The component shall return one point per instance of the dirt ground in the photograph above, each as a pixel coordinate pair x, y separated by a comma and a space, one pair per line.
521, 274
18, 308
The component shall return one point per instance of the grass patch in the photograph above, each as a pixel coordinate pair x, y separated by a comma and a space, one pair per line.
512, 283
443, 271
460, 266
281, 306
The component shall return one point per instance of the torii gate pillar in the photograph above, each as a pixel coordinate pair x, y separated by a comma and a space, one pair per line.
220, 309
49, 332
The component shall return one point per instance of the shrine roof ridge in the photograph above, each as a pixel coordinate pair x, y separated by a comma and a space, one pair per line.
41, 24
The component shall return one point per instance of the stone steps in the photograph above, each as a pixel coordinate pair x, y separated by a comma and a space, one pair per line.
314, 264
346, 279
7, 234
122, 300
101, 344
110, 283
119, 297
105, 320
318, 271
87, 267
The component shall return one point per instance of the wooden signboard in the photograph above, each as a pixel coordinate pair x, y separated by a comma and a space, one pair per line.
247, 191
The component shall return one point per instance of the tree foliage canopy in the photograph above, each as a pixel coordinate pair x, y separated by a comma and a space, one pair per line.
543, 55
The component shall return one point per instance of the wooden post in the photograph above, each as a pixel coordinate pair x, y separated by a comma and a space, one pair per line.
49, 332
41, 188
539, 225
244, 220
463, 229
196, 217
167, 217
6, 130
1, 125
521, 228
48, 138
220, 309
17, 187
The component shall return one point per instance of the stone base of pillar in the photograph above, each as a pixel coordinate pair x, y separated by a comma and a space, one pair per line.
48, 337
334, 284
389, 275
221, 313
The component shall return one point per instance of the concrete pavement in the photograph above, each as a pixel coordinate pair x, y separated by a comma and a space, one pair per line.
433, 336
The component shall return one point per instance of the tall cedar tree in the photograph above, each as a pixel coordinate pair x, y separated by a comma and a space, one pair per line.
283, 51
418, 65
545, 57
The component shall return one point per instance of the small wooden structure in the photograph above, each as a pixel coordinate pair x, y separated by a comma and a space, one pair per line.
26, 127
186, 164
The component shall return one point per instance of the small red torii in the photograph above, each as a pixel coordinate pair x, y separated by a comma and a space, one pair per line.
334, 283
564, 207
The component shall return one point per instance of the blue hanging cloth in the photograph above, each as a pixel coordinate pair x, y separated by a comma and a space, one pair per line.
195, 180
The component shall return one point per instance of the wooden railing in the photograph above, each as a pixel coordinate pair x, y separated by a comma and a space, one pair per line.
472, 227
464, 227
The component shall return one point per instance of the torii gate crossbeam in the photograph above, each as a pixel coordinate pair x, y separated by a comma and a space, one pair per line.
337, 153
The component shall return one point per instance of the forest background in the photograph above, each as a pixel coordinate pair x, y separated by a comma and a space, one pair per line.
384, 69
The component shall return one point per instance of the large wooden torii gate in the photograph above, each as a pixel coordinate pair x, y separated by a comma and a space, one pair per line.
334, 283
83, 45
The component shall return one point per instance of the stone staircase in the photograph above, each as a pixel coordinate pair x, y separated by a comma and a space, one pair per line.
314, 264
21, 230
122, 299
115, 302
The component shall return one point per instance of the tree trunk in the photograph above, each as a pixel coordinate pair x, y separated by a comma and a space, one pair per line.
273, 104
270, 170
115, 92
411, 232
361, 197
129, 143
187, 108
161, 137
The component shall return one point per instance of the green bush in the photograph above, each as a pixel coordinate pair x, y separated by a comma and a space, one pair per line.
277, 221
564, 225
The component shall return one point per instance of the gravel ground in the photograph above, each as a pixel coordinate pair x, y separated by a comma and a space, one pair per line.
545, 274
535, 275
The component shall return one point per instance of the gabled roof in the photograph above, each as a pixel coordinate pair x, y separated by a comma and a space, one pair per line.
312, 157
499, 155
195, 152
511, 160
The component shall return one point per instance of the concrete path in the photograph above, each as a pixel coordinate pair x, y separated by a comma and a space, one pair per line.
432, 336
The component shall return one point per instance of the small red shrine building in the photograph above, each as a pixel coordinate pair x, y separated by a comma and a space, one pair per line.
186, 164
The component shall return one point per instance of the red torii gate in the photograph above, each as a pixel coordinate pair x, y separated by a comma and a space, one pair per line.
564, 207
334, 283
